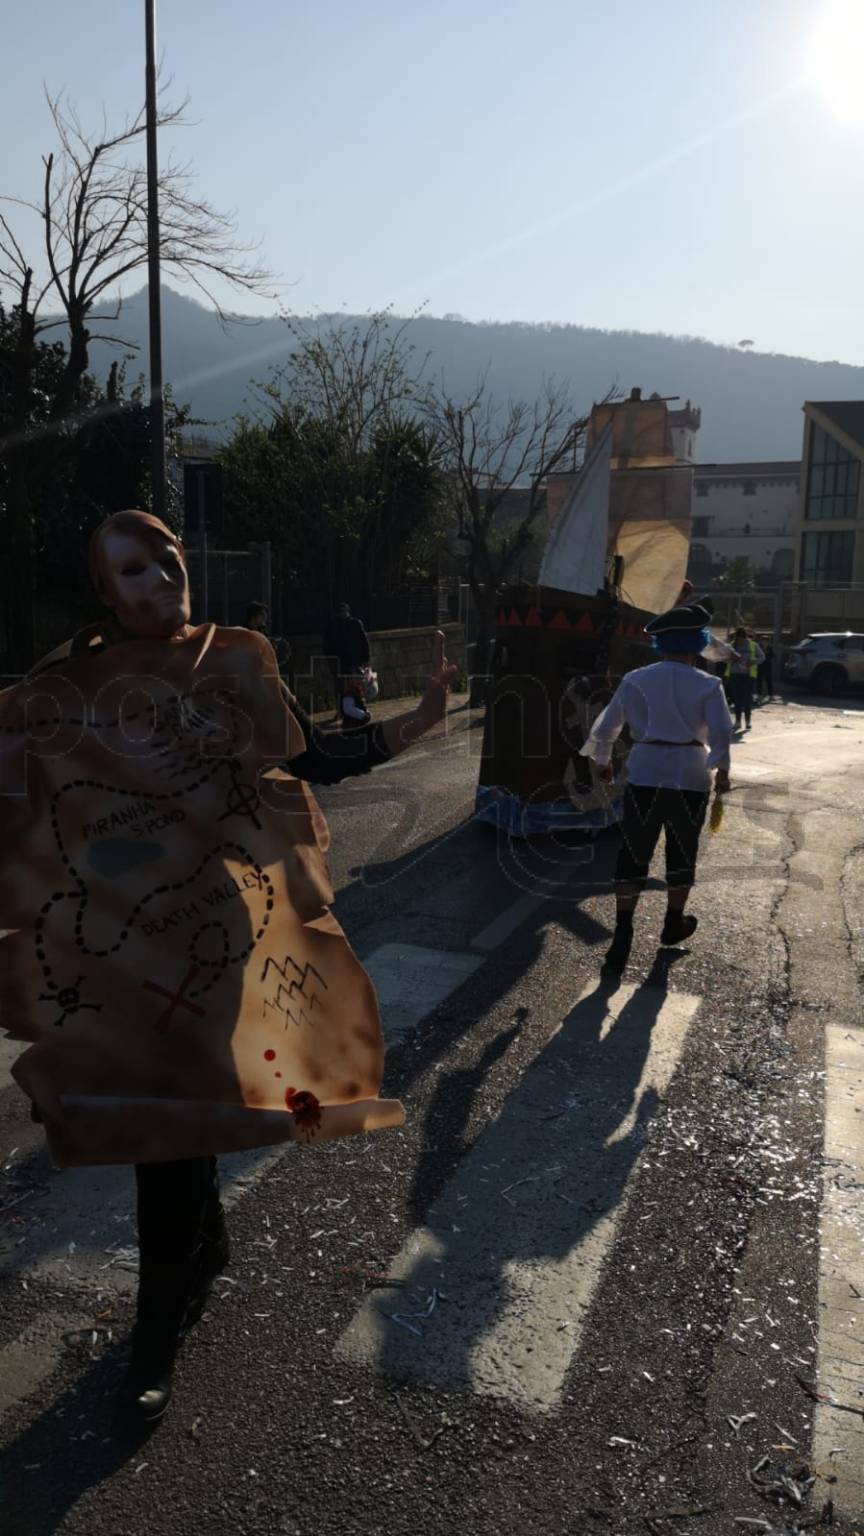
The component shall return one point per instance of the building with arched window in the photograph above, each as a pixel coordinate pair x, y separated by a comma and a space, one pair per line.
744, 512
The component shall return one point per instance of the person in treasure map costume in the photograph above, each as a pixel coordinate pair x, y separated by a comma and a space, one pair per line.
169, 949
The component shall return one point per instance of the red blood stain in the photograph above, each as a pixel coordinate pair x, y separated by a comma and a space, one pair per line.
278, 1074
306, 1110
269, 1055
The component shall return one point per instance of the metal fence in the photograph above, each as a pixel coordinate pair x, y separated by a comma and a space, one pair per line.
790, 611
235, 578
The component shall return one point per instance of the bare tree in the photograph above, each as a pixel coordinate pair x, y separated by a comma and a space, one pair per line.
489, 451
92, 207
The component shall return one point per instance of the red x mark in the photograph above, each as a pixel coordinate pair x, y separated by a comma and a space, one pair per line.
176, 999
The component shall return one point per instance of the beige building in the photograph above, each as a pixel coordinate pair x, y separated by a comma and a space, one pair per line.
744, 512
830, 531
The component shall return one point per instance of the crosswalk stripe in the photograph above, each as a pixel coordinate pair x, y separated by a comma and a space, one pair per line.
838, 1437
498, 1281
412, 980
507, 922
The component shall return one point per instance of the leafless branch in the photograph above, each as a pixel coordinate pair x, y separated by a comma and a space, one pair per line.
93, 212
491, 451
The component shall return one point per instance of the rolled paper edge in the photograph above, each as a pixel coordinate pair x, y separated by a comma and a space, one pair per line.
96, 1131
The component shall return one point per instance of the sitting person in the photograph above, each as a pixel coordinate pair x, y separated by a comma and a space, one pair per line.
352, 702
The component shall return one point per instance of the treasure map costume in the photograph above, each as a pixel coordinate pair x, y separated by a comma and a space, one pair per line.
170, 951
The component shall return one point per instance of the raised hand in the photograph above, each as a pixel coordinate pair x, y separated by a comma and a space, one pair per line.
433, 704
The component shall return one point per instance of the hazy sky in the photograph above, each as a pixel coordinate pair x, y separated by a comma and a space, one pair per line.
655, 166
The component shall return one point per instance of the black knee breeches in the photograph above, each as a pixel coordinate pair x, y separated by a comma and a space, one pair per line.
680, 813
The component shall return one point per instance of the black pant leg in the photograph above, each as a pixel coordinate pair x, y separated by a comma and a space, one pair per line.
737, 695
214, 1231
684, 812
174, 1202
641, 825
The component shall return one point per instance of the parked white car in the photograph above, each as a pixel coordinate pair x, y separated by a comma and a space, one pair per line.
828, 663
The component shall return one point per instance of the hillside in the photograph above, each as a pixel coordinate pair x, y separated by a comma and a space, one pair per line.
751, 402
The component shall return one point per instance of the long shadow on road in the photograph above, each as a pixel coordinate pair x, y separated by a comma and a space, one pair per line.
75, 1445
513, 1244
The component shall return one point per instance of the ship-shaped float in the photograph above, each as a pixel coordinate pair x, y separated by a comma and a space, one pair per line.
616, 555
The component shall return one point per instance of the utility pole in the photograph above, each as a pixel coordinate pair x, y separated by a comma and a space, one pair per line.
203, 581
157, 396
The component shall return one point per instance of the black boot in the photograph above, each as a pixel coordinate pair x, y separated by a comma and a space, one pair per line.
618, 952
678, 927
163, 1294
147, 1390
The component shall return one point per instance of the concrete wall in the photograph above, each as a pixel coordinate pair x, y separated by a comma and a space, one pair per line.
401, 657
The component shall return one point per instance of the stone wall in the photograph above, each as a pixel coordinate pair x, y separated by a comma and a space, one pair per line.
401, 658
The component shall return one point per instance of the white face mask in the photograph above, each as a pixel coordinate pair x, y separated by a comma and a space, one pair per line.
143, 580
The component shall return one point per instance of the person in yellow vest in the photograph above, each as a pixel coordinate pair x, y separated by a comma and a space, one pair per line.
742, 671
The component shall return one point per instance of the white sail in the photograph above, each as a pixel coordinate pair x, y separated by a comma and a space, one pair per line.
575, 557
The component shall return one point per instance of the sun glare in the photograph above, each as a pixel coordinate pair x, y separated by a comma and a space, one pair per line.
835, 63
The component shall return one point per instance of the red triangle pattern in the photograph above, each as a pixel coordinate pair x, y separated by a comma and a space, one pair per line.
584, 624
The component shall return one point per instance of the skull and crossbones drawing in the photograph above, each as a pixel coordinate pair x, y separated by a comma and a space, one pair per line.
68, 1000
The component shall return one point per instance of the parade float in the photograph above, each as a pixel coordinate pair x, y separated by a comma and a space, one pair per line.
616, 555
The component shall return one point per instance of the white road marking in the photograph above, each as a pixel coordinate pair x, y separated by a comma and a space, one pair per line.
509, 920
411, 980
511, 1253
838, 1438
81, 1231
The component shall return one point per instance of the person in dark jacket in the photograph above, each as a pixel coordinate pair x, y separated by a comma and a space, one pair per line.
346, 643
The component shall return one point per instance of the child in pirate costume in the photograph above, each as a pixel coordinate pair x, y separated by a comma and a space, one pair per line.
170, 956
681, 729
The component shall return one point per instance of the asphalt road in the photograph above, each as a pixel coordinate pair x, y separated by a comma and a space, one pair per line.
612, 1262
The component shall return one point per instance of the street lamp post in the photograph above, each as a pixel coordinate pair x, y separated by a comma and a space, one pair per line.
157, 397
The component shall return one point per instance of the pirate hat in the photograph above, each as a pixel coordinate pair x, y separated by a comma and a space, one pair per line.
687, 616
